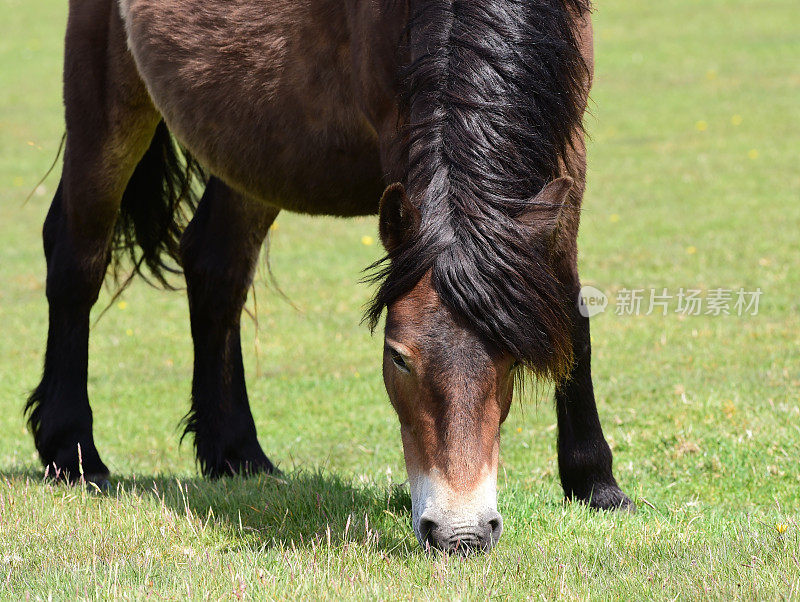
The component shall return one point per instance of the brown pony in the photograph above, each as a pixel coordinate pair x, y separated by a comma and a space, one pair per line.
469, 110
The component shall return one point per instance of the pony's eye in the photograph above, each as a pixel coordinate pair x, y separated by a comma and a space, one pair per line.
514, 366
398, 361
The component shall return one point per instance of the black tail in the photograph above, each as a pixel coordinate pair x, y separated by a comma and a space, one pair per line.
159, 201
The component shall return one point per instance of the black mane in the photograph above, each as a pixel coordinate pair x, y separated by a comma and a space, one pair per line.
494, 97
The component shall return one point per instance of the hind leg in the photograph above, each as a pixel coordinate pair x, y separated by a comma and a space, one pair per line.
219, 251
110, 121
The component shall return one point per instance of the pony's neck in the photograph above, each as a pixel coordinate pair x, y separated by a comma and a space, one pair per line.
494, 97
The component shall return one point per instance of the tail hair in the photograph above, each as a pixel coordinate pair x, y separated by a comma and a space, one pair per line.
158, 203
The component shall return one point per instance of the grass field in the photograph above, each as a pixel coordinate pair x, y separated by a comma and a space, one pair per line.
694, 183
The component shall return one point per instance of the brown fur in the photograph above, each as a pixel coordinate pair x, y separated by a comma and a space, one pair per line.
451, 404
306, 147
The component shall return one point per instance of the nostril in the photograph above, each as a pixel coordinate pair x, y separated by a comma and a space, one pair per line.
426, 527
495, 528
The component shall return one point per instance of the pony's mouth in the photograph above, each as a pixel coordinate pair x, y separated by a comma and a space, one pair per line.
475, 539
448, 521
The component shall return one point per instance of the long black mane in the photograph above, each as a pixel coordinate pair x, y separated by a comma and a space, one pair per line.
494, 96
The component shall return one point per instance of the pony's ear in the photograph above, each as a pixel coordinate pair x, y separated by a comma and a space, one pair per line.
398, 217
545, 208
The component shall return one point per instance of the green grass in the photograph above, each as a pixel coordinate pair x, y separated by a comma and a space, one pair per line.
703, 413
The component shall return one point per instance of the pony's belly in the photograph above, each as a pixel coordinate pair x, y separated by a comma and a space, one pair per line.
317, 173
261, 94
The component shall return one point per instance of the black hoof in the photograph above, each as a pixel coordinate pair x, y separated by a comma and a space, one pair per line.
251, 467
93, 481
75, 463
97, 483
608, 497
238, 466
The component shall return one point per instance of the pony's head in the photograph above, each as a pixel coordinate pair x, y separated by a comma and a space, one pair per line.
490, 98
450, 371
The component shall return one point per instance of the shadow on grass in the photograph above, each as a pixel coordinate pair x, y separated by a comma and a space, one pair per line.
299, 509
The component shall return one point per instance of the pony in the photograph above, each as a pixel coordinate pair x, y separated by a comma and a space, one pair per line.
457, 122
